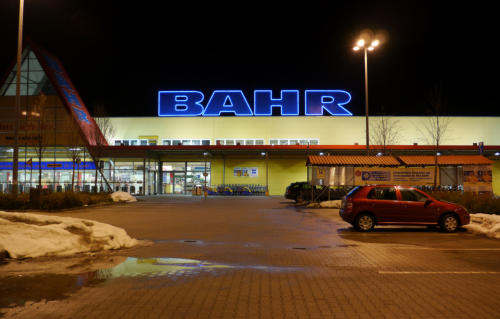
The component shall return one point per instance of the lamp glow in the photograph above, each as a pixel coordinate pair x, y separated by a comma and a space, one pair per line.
360, 43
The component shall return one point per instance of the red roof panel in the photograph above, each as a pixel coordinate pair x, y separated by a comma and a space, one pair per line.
353, 160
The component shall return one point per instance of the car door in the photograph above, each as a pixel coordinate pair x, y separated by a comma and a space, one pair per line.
414, 208
382, 201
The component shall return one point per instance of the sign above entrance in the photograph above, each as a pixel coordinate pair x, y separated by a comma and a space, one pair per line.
190, 103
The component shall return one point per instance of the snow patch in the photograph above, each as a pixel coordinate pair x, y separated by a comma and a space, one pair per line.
30, 235
484, 224
123, 197
331, 204
325, 204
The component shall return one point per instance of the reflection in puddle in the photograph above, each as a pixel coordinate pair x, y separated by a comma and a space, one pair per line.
154, 267
173, 267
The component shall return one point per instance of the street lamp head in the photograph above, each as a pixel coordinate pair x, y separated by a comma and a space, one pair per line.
356, 48
360, 43
371, 48
375, 43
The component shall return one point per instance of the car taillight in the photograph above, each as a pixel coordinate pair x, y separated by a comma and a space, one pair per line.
348, 205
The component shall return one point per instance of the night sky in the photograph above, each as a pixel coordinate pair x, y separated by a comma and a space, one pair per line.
119, 55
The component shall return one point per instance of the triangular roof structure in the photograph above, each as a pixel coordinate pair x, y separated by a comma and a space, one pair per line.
46, 74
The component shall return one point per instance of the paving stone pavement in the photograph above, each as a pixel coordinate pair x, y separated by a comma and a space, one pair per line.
266, 258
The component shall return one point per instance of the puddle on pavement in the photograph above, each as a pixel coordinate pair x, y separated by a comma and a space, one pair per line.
18, 289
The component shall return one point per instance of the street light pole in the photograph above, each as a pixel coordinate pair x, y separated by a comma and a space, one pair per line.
361, 44
15, 166
366, 104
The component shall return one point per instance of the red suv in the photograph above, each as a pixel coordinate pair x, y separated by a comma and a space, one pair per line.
367, 206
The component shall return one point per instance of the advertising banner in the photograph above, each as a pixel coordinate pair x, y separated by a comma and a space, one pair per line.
246, 172
332, 176
394, 175
478, 178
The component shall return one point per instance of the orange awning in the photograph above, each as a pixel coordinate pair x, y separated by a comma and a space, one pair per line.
444, 160
352, 160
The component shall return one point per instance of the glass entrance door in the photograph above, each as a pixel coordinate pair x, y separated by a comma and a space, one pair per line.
179, 183
183, 177
174, 182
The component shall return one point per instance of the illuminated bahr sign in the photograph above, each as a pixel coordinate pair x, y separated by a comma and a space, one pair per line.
190, 103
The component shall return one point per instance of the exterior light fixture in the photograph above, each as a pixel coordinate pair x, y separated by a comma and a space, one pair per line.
497, 154
321, 153
205, 153
263, 153
379, 154
438, 154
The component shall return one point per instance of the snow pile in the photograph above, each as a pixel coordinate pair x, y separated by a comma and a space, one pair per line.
330, 204
123, 197
31, 235
484, 224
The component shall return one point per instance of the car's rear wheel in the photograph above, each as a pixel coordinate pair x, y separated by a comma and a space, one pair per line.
364, 222
449, 223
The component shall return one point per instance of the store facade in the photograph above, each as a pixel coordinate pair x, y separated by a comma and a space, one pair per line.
190, 144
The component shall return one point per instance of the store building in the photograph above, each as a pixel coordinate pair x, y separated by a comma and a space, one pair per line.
190, 144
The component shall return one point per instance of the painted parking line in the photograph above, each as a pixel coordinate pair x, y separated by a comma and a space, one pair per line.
439, 272
444, 249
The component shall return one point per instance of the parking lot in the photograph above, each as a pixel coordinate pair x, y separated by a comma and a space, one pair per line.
259, 257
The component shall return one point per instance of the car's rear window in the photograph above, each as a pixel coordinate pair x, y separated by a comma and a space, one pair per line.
353, 191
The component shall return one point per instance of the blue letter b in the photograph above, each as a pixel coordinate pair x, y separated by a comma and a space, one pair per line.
180, 103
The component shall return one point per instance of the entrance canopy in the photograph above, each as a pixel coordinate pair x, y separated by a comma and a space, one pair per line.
354, 160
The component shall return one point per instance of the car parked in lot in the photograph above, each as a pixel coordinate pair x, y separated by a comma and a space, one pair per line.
301, 192
367, 206
297, 191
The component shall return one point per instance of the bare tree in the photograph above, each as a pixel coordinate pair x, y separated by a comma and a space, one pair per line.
74, 151
385, 132
102, 133
435, 130
40, 125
